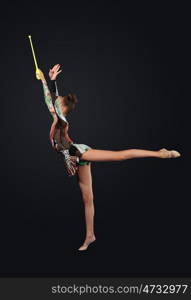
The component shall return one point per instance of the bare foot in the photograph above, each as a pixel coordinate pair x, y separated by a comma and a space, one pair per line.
87, 242
164, 153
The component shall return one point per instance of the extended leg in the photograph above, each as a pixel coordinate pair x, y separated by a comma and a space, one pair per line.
85, 183
107, 155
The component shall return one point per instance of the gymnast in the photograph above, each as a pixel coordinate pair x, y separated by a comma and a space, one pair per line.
78, 157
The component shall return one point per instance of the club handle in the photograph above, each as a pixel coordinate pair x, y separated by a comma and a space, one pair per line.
34, 57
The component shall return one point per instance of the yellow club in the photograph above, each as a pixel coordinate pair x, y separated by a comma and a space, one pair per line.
34, 57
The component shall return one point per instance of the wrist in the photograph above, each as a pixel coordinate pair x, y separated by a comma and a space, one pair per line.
66, 154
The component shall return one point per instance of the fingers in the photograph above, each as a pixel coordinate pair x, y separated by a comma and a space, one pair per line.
40, 74
72, 167
71, 171
54, 71
56, 68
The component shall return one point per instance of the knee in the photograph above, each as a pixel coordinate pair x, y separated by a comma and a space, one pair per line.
120, 156
87, 198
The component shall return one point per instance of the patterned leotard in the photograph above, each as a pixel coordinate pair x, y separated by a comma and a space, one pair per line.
59, 137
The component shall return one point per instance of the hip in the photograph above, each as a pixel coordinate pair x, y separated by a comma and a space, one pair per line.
78, 150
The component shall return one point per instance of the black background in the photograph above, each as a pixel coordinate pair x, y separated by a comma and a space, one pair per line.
128, 64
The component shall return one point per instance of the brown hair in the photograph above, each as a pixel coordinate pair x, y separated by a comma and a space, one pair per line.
70, 101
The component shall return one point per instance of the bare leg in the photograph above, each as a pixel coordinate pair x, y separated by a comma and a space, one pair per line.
107, 155
85, 183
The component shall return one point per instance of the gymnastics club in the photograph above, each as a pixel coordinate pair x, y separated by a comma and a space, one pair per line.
34, 57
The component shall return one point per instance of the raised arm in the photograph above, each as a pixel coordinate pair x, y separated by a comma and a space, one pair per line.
49, 103
47, 94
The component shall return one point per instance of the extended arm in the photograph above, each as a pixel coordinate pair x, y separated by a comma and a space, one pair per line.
47, 94
49, 103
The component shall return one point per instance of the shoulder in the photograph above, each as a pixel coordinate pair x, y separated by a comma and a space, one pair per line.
59, 99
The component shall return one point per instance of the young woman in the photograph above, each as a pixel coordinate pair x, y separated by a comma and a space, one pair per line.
78, 156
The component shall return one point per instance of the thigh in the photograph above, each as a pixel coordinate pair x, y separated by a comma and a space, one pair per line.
101, 155
85, 179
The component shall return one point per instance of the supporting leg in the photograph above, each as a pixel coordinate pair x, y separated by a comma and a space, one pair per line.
85, 183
